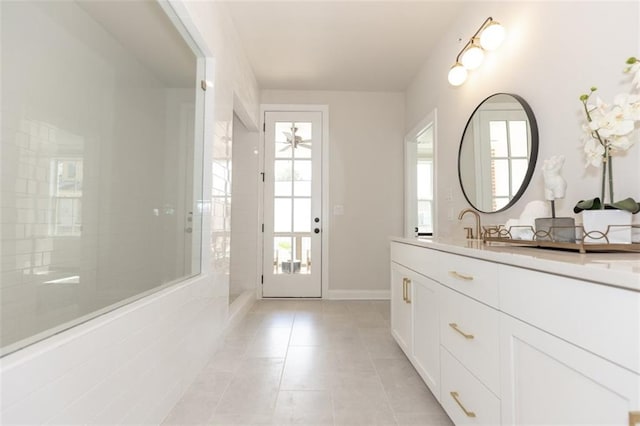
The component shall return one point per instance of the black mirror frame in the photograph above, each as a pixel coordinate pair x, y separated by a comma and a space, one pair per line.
533, 158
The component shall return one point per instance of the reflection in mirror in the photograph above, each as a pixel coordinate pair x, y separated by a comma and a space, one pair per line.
498, 152
419, 166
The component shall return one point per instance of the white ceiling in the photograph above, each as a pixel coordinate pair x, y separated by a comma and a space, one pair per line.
339, 45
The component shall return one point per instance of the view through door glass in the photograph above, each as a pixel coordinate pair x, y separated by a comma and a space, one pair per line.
292, 235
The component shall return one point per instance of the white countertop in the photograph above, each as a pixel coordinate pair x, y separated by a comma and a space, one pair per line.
615, 269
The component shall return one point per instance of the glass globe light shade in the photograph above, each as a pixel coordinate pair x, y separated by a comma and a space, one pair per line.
472, 57
457, 75
492, 36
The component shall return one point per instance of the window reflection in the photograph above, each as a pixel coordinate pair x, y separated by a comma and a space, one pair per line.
66, 197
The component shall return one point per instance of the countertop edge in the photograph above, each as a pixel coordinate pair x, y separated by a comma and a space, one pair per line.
593, 267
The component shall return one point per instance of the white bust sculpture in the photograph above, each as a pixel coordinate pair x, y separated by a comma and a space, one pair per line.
554, 184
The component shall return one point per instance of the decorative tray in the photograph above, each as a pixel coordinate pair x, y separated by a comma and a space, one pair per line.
597, 241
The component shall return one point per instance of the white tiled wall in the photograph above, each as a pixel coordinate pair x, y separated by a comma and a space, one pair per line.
117, 367
244, 210
133, 364
111, 115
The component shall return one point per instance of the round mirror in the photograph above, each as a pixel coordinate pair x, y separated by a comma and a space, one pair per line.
498, 152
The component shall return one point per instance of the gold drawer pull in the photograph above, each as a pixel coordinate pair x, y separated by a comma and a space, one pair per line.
455, 327
455, 274
454, 395
405, 290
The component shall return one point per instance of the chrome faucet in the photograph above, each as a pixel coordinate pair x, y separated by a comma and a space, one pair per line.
478, 229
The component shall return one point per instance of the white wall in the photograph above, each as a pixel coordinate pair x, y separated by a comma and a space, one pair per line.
244, 210
365, 176
554, 52
133, 364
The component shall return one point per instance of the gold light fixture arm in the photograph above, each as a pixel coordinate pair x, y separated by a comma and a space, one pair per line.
474, 38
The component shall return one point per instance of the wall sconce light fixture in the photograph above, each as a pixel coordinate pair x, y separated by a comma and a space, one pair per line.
489, 37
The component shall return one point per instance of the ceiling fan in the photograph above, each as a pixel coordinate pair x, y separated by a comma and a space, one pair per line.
294, 140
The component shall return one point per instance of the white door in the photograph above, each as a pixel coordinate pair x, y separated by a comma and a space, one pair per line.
292, 204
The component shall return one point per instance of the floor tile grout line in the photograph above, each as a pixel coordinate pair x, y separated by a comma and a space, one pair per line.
384, 388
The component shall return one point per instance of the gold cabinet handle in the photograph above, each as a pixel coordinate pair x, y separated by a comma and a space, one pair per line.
408, 291
455, 397
459, 276
455, 327
404, 289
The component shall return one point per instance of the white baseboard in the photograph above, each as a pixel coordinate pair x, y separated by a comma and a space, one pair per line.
240, 307
358, 295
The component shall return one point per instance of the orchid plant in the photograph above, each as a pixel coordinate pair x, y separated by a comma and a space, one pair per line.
609, 129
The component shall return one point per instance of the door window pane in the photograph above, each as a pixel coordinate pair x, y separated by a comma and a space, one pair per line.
305, 255
302, 178
303, 149
283, 144
282, 215
282, 249
282, 176
302, 215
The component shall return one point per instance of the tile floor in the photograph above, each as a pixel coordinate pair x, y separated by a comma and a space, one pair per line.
310, 363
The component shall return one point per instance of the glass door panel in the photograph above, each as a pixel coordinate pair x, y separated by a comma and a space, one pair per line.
292, 195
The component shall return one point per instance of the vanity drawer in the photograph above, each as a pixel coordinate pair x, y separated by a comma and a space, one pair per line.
475, 278
465, 399
601, 319
422, 260
470, 331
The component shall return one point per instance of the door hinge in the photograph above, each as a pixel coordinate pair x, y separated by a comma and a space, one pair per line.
262, 173
263, 227
203, 84
261, 279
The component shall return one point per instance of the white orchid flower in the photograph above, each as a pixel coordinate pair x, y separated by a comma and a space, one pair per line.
630, 105
612, 123
620, 143
594, 152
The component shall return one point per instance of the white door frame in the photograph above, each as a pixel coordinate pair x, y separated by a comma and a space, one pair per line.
324, 109
409, 177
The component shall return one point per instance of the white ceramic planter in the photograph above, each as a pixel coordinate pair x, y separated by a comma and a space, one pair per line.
600, 220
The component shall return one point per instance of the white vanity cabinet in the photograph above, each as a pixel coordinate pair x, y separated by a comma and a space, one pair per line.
570, 350
521, 341
415, 312
548, 381
426, 334
401, 323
